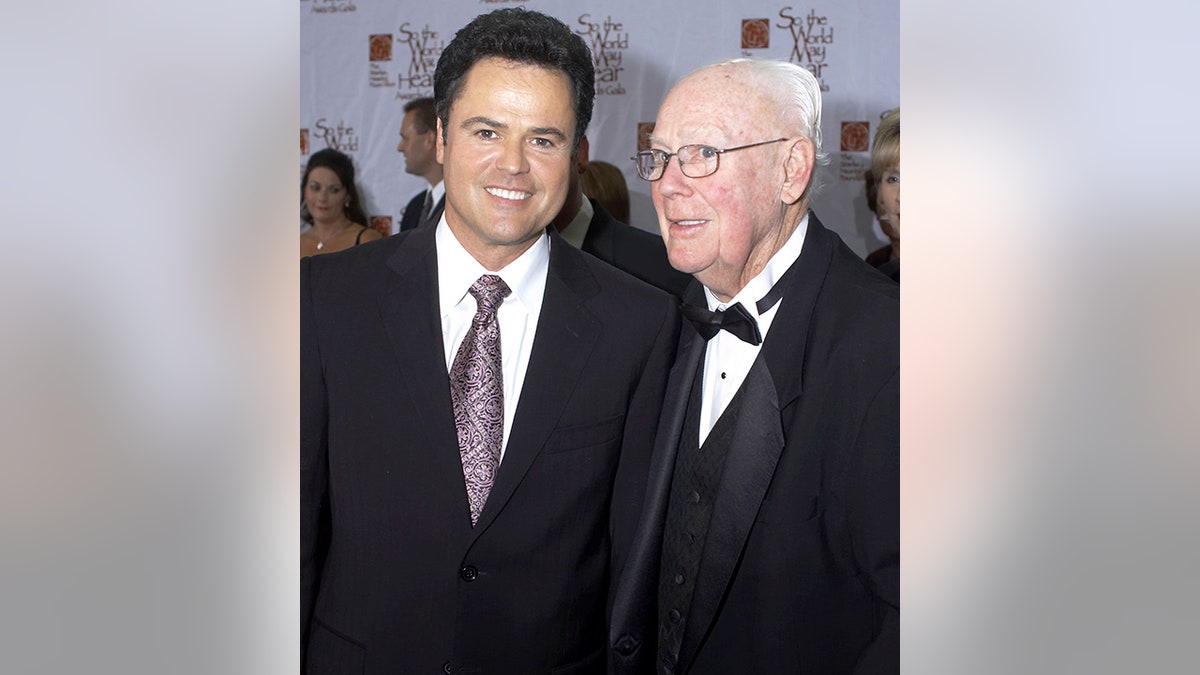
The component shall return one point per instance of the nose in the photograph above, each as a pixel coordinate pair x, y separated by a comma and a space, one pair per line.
673, 182
512, 156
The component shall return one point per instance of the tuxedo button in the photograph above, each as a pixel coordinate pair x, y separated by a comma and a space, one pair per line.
627, 645
674, 615
468, 573
679, 579
446, 668
695, 497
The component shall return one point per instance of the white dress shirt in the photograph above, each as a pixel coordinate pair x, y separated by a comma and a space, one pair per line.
517, 315
728, 358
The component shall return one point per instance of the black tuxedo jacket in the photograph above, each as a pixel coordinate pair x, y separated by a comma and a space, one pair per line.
801, 569
393, 577
640, 253
412, 212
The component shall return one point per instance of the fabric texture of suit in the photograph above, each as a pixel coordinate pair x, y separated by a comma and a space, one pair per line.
801, 569
635, 251
393, 577
412, 212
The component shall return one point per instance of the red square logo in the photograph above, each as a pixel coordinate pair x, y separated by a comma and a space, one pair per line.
381, 47
855, 136
383, 224
756, 33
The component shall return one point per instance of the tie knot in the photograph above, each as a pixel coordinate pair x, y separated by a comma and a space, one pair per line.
736, 319
489, 291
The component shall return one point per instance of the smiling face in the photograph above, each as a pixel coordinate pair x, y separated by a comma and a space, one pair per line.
506, 155
723, 228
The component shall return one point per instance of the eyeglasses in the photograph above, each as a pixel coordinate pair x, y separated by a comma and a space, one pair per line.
695, 161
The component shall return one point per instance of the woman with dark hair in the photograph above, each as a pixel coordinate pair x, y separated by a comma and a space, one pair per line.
331, 205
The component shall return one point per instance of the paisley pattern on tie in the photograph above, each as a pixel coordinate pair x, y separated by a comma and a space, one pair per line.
477, 391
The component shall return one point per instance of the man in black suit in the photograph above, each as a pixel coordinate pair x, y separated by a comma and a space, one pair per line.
418, 144
585, 224
478, 398
770, 538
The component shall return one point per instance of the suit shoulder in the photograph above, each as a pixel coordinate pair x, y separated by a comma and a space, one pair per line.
357, 266
623, 284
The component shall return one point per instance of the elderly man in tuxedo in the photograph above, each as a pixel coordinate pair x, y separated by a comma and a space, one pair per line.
770, 539
478, 398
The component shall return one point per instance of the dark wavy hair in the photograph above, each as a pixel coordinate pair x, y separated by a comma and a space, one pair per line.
341, 165
523, 36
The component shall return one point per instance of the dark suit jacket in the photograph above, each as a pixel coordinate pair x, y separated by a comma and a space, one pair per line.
393, 577
412, 212
640, 253
801, 569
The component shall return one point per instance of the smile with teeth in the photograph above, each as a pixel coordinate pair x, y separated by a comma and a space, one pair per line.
689, 222
508, 194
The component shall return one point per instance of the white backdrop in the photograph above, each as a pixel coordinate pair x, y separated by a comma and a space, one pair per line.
361, 60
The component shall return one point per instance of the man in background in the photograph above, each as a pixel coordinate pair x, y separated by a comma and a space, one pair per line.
418, 141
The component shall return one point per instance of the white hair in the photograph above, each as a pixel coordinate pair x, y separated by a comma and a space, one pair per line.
798, 95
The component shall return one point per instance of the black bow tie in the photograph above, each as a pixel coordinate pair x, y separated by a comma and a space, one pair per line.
735, 319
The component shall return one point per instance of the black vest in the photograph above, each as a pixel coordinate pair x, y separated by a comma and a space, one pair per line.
698, 472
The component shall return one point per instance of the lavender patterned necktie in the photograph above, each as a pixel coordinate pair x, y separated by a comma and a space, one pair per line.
477, 391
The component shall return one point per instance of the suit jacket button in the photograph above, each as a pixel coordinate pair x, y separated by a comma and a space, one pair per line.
468, 573
674, 615
446, 668
695, 497
627, 645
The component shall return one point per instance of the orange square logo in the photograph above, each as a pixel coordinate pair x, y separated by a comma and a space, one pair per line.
756, 33
855, 136
381, 47
383, 224
643, 135
304, 141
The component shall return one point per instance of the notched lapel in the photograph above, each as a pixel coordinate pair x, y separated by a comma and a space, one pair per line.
409, 311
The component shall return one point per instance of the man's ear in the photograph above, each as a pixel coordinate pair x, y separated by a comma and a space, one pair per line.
581, 156
440, 144
797, 170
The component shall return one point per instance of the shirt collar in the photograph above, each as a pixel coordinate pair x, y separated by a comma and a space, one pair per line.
762, 284
457, 270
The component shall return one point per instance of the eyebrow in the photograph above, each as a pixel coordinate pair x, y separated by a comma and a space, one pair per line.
536, 131
486, 121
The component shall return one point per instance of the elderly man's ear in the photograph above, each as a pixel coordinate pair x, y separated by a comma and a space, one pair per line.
797, 170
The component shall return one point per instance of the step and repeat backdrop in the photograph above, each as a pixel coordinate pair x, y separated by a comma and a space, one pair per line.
361, 60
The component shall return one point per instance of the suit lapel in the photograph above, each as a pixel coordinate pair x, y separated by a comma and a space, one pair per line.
411, 317
565, 335
774, 381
